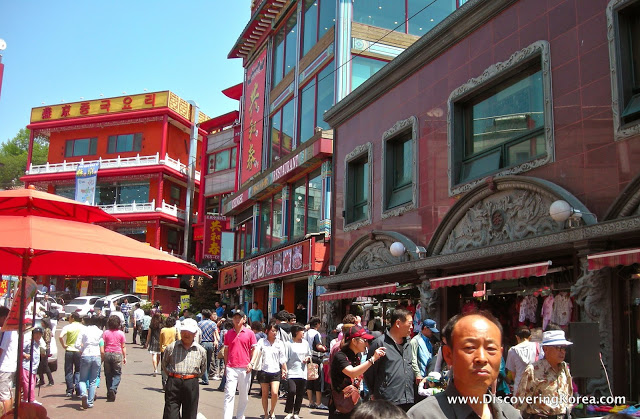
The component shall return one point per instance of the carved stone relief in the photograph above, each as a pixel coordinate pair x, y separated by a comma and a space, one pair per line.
430, 302
592, 293
375, 255
505, 216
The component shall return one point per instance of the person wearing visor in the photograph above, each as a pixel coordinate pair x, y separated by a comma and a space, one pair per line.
548, 378
346, 370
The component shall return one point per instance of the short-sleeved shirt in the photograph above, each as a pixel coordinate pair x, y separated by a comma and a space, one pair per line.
89, 341
239, 347
208, 329
342, 359
255, 315
9, 347
296, 365
178, 360
168, 335
113, 340
146, 322
36, 356
70, 333
518, 358
219, 311
273, 356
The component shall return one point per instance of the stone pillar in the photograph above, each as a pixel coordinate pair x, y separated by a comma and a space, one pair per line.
429, 301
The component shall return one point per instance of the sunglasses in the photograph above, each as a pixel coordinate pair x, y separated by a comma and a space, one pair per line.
559, 348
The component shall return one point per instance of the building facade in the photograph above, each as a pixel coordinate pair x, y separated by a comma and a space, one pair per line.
457, 153
141, 145
300, 58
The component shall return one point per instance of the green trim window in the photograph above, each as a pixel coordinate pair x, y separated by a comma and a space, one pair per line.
357, 193
399, 170
124, 143
629, 38
81, 147
319, 17
502, 126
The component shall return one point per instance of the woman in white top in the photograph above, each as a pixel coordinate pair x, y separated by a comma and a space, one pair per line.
299, 353
89, 342
274, 364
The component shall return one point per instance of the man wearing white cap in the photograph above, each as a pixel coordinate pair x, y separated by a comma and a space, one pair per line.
184, 362
549, 379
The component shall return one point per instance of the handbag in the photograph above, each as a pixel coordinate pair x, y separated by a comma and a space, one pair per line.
257, 366
344, 403
312, 371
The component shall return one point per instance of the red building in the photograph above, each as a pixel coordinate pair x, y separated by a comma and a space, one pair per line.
455, 152
141, 143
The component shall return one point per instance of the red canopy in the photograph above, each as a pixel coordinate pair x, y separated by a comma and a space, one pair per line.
513, 272
624, 257
358, 292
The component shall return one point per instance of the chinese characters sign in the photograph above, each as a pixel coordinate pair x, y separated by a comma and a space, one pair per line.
100, 106
253, 118
290, 260
230, 277
214, 225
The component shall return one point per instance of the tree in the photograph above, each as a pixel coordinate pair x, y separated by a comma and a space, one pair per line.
203, 294
13, 157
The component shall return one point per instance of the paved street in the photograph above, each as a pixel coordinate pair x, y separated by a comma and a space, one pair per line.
139, 394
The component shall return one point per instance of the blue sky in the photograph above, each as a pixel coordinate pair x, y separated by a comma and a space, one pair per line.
68, 50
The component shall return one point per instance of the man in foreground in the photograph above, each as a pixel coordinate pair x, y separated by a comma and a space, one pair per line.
474, 351
184, 362
68, 337
239, 344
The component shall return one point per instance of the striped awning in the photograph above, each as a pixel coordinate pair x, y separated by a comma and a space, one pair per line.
522, 271
623, 257
359, 292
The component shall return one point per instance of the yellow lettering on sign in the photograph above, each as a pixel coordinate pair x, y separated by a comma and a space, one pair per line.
100, 107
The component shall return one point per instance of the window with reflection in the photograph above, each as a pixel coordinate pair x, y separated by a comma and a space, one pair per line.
124, 142
356, 200
122, 193
277, 236
423, 16
244, 237
316, 97
416, 17
319, 17
362, 68
81, 147
398, 175
298, 207
222, 160
265, 224
284, 51
314, 203
281, 138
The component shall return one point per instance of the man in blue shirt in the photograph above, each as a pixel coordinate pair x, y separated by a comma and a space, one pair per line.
219, 309
422, 350
255, 314
209, 340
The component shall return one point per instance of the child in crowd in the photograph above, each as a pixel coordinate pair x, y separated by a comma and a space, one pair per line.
434, 385
30, 363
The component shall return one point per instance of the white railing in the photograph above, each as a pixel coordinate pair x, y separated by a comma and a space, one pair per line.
171, 210
116, 163
129, 208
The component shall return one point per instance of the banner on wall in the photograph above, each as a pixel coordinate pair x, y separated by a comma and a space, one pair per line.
142, 285
86, 180
214, 226
84, 287
185, 302
230, 277
250, 163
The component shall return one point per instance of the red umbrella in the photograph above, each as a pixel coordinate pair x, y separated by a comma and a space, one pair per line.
44, 234
32, 202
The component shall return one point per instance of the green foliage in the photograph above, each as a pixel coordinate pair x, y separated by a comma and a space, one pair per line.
203, 296
13, 157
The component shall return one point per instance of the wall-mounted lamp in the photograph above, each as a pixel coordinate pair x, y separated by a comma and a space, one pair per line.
562, 211
397, 249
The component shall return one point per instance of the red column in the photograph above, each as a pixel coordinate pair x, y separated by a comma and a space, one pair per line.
160, 190
31, 136
165, 133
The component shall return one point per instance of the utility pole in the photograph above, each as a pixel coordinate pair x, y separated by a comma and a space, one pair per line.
191, 178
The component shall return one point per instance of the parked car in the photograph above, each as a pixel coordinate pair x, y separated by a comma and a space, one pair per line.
81, 305
53, 352
108, 304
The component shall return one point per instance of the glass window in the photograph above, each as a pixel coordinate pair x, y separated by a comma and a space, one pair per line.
327, 17
124, 143
222, 160
629, 33
290, 44
278, 236
106, 194
173, 239
66, 191
226, 246
278, 57
307, 111
310, 25
399, 170
276, 137
81, 147
381, 13
298, 203
175, 195
357, 197
502, 126
325, 95
425, 16
234, 154
265, 224
134, 193
362, 68
314, 203
287, 128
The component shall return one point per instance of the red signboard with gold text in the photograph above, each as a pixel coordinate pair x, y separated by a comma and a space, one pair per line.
214, 225
287, 261
253, 118
230, 277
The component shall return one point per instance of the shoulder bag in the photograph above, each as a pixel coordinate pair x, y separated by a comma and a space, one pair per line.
312, 371
345, 400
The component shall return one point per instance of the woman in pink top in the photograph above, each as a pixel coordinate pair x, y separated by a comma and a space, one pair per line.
114, 355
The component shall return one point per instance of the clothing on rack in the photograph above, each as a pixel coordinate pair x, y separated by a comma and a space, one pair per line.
547, 311
528, 307
562, 307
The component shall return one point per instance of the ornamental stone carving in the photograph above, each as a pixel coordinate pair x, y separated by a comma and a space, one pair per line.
502, 217
430, 302
375, 255
592, 293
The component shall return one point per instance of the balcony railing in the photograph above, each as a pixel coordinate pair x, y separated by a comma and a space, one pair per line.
118, 162
147, 207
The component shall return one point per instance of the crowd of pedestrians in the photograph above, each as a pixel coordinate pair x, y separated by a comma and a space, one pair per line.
386, 372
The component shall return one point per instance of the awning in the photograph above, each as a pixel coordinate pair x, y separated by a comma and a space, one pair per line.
522, 271
167, 288
360, 292
610, 259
